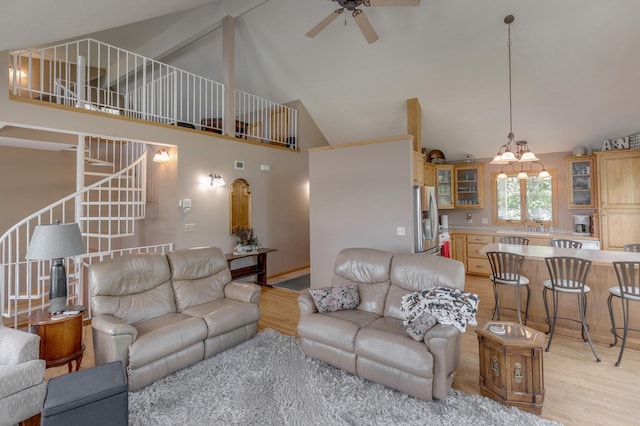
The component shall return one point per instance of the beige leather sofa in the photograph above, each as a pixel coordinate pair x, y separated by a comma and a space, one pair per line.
159, 314
371, 340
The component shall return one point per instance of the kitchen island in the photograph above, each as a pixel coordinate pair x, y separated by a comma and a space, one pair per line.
601, 277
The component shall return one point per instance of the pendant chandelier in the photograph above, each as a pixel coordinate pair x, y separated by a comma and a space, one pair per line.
515, 151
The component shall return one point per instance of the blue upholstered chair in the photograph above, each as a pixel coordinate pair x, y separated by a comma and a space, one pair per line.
22, 385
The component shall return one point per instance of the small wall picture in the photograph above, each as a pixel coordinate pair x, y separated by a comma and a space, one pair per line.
239, 165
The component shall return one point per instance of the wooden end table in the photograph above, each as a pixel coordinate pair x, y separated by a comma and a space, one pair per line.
511, 370
60, 339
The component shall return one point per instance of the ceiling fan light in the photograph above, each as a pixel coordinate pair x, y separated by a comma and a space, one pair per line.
502, 176
523, 175
544, 175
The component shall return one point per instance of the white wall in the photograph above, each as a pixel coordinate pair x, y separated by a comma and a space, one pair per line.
359, 195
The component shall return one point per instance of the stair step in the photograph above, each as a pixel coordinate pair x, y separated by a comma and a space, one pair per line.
102, 174
95, 235
97, 162
113, 203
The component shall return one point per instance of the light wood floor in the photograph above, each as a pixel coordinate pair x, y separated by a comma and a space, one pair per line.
579, 391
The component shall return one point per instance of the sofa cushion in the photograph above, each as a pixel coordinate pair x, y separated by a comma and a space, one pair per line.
414, 272
225, 315
134, 287
369, 268
337, 329
163, 336
198, 275
331, 299
386, 342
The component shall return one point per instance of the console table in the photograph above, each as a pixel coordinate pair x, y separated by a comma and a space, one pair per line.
259, 269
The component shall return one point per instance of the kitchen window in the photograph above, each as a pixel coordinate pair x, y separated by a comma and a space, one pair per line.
515, 200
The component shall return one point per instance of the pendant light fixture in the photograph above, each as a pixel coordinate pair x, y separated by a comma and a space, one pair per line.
514, 151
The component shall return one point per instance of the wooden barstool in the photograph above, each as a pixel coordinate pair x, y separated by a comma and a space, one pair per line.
627, 290
505, 270
568, 275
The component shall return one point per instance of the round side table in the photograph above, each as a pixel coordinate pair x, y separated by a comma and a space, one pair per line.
60, 337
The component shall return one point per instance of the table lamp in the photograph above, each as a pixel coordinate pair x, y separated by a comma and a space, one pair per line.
54, 242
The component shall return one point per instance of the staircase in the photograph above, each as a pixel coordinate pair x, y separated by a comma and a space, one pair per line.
110, 199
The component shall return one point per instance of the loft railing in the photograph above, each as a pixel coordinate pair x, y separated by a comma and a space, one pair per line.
94, 75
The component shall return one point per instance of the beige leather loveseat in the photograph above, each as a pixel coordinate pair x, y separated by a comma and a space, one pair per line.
159, 314
371, 340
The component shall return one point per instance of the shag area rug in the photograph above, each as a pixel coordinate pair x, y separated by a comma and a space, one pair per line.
269, 381
298, 284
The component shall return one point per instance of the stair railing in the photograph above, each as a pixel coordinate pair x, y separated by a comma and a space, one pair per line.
105, 209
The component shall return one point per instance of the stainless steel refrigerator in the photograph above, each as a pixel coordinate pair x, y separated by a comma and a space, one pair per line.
426, 226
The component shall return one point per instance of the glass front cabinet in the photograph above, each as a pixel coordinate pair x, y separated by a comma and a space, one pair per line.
445, 186
581, 180
468, 186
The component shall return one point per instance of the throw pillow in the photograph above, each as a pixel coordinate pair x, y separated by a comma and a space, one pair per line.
331, 299
419, 327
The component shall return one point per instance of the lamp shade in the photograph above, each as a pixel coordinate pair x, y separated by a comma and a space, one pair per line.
55, 242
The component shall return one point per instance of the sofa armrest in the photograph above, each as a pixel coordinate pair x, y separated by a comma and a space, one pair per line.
443, 341
111, 339
18, 346
306, 303
244, 292
15, 378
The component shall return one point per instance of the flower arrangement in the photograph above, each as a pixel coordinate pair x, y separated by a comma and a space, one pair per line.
246, 239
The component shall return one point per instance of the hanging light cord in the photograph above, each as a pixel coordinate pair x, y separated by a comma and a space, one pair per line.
511, 135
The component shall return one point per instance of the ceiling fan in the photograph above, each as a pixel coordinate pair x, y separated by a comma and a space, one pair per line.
359, 16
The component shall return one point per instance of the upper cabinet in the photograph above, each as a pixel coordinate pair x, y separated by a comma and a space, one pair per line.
619, 195
618, 176
445, 186
581, 180
468, 186
430, 178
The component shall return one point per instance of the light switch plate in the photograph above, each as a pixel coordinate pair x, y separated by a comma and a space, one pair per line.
400, 231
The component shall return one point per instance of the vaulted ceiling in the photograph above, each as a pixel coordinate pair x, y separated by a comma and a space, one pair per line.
575, 62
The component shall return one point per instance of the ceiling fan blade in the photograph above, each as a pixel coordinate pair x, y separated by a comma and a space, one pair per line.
394, 2
323, 24
365, 26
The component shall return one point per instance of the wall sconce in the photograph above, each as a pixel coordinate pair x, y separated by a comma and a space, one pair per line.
20, 73
162, 156
215, 180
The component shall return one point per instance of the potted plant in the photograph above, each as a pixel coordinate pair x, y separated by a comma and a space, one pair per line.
246, 241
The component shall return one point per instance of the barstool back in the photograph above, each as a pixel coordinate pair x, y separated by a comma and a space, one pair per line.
565, 243
631, 247
514, 239
568, 273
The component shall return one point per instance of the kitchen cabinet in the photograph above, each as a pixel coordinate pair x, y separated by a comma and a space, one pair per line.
478, 263
468, 186
581, 181
458, 247
618, 197
430, 178
445, 186
418, 168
